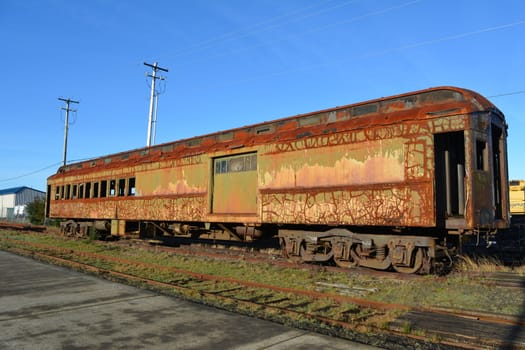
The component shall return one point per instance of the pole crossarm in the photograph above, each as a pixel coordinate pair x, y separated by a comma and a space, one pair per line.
155, 66
68, 100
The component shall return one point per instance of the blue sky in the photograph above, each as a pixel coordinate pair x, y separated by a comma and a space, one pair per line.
233, 63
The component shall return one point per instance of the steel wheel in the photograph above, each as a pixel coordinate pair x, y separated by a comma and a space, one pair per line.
352, 262
292, 258
417, 263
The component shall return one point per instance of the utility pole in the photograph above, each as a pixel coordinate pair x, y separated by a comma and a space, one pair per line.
66, 124
151, 119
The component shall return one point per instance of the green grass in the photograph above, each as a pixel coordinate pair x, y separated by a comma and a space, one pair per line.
454, 291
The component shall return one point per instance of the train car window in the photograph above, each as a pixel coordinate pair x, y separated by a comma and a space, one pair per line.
121, 187
67, 195
74, 192
227, 136
95, 189
481, 155
81, 191
193, 143
57, 192
220, 166
131, 186
224, 166
264, 129
62, 192
441, 96
365, 109
251, 162
112, 187
246, 162
103, 188
311, 120
236, 164
88, 190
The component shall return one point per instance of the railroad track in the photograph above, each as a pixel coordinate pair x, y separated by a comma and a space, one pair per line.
271, 256
329, 313
502, 279
21, 226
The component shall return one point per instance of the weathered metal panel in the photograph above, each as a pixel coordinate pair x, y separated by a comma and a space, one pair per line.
368, 162
379, 176
399, 205
190, 179
188, 208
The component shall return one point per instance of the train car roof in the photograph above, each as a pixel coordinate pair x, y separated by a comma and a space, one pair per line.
427, 103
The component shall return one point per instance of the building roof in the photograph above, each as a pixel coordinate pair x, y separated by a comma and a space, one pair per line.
15, 190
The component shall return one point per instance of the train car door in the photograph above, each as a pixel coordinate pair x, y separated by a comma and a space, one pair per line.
235, 184
449, 151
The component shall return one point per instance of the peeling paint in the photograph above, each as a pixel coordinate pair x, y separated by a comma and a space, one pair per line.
362, 163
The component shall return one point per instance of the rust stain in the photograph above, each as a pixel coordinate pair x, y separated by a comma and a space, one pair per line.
142, 208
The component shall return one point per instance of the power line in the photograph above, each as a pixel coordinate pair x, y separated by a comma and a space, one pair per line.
42, 169
451, 37
205, 44
377, 53
30, 173
262, 26
508, 94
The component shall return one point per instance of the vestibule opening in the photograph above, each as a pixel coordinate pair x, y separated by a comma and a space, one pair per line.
449, 151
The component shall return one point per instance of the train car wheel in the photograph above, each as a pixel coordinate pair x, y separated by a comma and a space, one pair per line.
286, 254
351, 262
417, 263
345, 263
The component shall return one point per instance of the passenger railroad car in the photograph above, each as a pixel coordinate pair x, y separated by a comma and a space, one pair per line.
391, 182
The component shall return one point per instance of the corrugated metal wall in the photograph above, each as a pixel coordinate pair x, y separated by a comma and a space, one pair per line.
27, 195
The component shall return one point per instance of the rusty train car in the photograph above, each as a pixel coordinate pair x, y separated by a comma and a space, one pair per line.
387, 183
